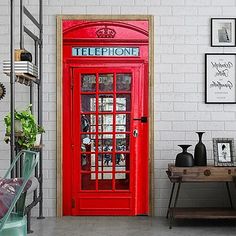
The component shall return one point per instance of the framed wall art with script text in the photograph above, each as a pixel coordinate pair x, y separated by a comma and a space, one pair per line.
220, 76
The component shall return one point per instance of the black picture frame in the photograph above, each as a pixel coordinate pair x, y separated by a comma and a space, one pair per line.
223, 32
223, 151
220, 78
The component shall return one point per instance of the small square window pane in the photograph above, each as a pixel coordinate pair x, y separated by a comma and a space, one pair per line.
122, 122
88, 162
123, 102
122, 181
122, 142
88, 123
88, 182
106, 82
88, 102
105, 102
122, 162
88, 83
105, 123
123, 82
88, 142
105, 143
105, 181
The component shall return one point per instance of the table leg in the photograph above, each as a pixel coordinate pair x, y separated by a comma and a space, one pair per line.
175, 204
170, 201
177, 195
171, 219
229, 194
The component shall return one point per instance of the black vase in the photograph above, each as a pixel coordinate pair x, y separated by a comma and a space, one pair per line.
26, 56
200, 155
184, 159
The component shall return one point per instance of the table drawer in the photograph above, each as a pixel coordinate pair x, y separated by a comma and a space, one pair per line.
202, 173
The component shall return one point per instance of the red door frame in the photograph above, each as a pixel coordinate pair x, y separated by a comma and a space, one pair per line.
69, 62
118, 197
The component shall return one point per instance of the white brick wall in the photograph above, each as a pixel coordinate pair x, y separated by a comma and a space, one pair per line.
182, 36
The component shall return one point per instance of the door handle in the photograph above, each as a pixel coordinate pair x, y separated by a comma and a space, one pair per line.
143, 119
135, 133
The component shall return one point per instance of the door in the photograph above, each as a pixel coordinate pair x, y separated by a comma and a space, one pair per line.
109, 140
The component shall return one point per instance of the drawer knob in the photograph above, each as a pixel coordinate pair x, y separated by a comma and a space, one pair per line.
207, 172
229, 172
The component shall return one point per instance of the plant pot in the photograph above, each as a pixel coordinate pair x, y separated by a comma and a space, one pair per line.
26, 56
38, 140
18, 126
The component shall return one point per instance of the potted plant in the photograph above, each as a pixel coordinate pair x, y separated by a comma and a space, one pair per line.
38, 136
26, 128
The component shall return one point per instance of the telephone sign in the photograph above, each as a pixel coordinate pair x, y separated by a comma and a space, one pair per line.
106, 51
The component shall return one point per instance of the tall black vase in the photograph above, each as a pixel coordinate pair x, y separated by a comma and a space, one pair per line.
200, 155
184, 159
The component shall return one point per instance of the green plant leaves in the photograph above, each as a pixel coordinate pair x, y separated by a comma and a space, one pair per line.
30, 128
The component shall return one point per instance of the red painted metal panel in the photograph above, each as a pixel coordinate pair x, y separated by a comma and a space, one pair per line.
128, 30
66, 141
85, 189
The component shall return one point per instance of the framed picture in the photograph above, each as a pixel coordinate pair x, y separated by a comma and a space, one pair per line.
223, 32
220, 76
223, 150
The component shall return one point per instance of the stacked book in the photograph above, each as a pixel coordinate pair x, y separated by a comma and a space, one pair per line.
21, 67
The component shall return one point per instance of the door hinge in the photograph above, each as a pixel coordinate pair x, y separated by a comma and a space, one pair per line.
73, 203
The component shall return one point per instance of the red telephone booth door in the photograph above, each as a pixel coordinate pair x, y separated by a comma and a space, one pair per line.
110, 140
105, 119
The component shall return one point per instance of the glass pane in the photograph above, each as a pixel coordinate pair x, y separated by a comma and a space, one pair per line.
105, 175
122, 122
122, 142
88, 123
88, 102
105, 123
88, 162
106, 162
105, 102
105, 82
122, 181
92, 123
87, 183
105, 143
88, 83
105, 181
123, 82
122, 162
123, 102
88, 142
93, 176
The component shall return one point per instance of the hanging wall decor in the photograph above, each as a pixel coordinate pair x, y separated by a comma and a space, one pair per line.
220, 76
2, 91
223, 32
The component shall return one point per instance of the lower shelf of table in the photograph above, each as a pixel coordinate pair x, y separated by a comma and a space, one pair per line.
203, 213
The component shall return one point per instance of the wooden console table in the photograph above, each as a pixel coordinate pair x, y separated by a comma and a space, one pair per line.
204, 174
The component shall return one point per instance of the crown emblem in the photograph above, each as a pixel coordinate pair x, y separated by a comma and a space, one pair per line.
106, 32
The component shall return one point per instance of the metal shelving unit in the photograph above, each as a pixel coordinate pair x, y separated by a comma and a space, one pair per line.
38, 46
